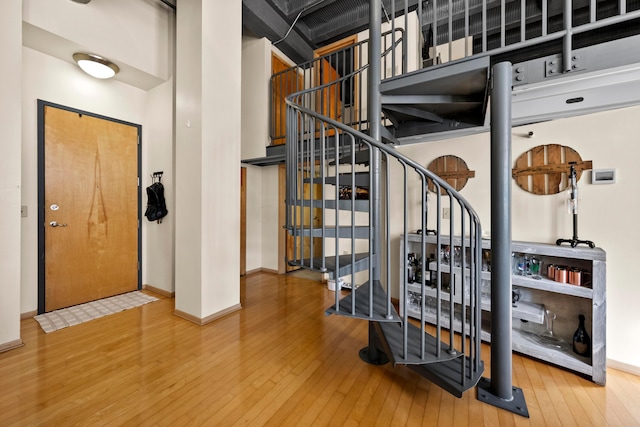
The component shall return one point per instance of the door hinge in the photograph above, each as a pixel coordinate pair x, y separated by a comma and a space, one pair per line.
138, 181
138, 223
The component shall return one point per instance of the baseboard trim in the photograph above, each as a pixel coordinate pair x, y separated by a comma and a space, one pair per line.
28, 315
625, 367
159, 291
261, 270
10, 345
208, 319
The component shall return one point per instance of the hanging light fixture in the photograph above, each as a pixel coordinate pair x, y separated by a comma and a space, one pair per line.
95, 65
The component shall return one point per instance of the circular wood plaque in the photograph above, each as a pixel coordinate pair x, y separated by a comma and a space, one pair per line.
452, 169
544, 169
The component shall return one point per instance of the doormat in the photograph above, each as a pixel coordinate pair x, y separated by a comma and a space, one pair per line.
77, 314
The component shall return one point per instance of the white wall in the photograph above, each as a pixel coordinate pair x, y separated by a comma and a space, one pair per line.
256, 72
208, 140
269, 217
157, 154
262, 218
262, 182
134, 34
254, 218
608, 213
221, 107
145, 34
10, 166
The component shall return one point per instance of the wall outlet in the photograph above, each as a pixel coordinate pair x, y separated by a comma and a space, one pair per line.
446, 213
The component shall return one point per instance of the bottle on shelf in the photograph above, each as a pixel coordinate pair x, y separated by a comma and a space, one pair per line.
410, 267
417, 262
581, 340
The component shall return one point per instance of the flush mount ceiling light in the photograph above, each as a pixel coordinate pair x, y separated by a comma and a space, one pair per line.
95, 65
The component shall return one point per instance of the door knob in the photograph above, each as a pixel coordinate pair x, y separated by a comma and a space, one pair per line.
56, 224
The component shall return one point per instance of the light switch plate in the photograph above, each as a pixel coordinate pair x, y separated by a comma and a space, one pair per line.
603, 176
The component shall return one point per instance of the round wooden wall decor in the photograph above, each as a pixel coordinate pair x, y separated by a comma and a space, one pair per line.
452, 169
541, 169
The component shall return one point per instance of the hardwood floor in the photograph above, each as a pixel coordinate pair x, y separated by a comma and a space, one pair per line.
279, 362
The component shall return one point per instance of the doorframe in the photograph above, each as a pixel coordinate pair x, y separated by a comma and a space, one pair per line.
243, 220
41, 181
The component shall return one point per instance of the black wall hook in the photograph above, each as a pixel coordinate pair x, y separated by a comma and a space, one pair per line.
157, 176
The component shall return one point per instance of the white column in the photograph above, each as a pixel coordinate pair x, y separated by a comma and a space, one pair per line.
208, 99
10, 171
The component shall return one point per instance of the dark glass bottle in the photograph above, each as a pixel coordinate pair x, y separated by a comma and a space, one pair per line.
417, 262
411, 269
581, 340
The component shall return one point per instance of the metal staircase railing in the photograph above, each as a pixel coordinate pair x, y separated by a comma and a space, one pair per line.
323, 151
344, 101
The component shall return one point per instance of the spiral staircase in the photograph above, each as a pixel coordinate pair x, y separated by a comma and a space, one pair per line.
363, 182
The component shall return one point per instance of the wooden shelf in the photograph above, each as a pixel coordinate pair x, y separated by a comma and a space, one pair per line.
541, 283
446, 268
564, 358
546, 249
539, 294
552, 286
520, 343
524, 310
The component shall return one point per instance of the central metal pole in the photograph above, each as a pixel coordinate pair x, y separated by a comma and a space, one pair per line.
372, 354
374, 109
501, 231
499, 391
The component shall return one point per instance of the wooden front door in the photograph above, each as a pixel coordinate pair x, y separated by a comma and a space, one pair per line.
89, 206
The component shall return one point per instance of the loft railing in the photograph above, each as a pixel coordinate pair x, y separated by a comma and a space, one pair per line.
447, 30
345, 101
455, 29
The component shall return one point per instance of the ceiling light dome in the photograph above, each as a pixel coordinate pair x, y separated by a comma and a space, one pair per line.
95, 65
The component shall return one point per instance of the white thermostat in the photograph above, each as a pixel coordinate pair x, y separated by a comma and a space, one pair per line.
603, 176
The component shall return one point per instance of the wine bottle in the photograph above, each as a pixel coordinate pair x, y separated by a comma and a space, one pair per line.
581, 340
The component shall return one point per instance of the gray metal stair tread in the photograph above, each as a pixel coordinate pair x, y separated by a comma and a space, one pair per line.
361, 231
361, 295
456, 91
346, 267
448, 374
344, 260
457, 78
345, 205
394, 335
361, 179
361, 158
330, 261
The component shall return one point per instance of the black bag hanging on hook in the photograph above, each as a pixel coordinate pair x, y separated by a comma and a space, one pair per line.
156, 205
